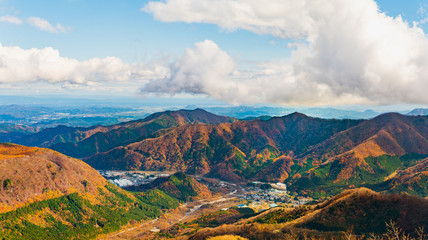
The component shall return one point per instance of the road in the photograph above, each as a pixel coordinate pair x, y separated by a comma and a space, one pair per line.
185, 212
192, 210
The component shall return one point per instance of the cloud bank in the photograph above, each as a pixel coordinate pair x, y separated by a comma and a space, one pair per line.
30, 65
345, 52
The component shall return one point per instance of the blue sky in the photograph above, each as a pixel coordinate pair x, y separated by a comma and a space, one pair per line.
140, 40
119, 28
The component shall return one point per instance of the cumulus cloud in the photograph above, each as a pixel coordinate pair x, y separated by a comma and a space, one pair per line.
10, 19
30, 65
199, 70
206, 69
44, 25
345, 52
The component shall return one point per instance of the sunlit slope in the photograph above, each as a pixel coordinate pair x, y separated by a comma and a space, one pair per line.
230, 151
47, 195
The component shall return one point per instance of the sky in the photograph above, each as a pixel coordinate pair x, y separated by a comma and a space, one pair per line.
283, 52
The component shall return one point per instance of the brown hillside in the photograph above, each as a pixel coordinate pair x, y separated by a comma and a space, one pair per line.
192, 116
360, 211
30, 174
367, 212
162, 153
390, 134
307, 153
232, 151
277, 172
84, 142
411, 172
179, 186
46, 195
413, 180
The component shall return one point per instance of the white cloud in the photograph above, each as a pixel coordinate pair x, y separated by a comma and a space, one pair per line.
44, 25
262, 17
346, 52
30, 65
200, 70
206, 69
36, 22
10, 19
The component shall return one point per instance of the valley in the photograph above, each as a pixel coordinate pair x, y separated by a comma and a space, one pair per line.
315, 157
213, 120
230, 195
184, 213
176, 174
367, 212
260, 195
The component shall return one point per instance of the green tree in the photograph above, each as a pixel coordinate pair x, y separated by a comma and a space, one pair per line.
7, 184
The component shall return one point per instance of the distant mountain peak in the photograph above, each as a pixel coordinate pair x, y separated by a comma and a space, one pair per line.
297, 115
390, 115
187, 112
419, 112
196, 110
191, 107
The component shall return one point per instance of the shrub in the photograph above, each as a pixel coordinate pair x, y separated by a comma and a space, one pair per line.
7, 184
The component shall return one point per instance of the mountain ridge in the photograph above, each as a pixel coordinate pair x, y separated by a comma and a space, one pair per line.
295, 149
84, 142
202, 146
390, 134
302, 151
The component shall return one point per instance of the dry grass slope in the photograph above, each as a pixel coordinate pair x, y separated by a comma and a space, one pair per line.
34, 174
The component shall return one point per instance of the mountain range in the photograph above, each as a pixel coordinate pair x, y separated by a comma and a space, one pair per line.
246, 112
47, 195
313, 156
83, 142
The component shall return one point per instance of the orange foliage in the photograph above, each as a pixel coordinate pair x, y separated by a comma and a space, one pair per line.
15, 151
